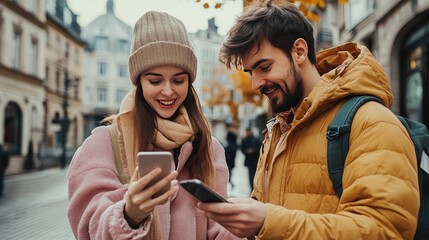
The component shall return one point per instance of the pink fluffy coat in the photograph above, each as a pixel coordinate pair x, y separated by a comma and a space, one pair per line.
97, 197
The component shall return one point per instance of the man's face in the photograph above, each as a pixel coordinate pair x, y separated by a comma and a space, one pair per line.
274, 75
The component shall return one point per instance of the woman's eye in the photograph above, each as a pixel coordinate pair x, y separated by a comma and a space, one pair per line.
178, 81
154, 82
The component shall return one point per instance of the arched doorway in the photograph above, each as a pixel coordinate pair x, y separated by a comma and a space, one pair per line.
13, 127
414, 74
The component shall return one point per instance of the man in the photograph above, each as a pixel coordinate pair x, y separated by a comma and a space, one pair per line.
230, 151
250, 147
293, 196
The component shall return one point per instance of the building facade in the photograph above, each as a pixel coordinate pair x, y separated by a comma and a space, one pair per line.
211, 75
214, 82
64, 61
22, 74
105, 80
397, 33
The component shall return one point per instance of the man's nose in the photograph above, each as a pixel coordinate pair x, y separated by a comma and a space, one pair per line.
257, 82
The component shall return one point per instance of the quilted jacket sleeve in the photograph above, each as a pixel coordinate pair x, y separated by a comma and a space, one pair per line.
380, 198
96, 196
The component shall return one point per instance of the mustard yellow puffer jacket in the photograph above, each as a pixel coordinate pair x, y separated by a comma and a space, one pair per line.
380, 198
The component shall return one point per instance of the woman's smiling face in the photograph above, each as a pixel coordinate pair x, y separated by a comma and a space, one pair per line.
165, 88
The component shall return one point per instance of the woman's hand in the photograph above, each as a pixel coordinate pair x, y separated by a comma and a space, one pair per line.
140, 203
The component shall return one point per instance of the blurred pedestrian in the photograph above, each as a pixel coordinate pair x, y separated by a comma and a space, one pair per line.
4, 163
162, 112
230, 151
250, 146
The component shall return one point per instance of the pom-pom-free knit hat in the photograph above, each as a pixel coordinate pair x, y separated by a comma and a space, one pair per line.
160, 39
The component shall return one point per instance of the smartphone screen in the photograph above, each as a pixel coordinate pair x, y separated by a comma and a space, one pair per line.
148, 161
201, 191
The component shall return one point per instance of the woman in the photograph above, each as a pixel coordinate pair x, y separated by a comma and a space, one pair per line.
161, 113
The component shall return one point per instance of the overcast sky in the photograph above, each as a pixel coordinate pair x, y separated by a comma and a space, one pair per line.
193, 15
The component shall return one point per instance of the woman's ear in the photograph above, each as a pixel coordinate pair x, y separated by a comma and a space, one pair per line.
300, 50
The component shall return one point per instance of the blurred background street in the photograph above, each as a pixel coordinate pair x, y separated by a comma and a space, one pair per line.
34, 205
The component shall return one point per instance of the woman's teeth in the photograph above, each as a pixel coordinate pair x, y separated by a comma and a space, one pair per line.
167, 102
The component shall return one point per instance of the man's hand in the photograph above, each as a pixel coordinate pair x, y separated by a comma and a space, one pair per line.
243, 217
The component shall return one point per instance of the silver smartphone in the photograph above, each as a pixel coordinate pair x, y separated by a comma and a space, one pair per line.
201, 191
148, 161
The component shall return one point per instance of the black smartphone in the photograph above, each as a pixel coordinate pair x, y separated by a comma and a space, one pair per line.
201, 191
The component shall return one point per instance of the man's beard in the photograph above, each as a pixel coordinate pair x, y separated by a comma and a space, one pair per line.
289, 97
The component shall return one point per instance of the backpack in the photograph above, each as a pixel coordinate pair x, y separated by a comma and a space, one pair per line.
338, 146
115, 146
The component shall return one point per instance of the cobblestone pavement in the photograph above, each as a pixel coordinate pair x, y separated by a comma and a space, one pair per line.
34, 206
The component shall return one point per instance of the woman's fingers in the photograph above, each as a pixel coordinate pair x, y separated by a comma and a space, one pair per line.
135, 176
147, 193
152, 202
141, 183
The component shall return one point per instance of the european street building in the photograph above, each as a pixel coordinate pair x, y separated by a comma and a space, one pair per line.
105, 80
397, 33
22, 78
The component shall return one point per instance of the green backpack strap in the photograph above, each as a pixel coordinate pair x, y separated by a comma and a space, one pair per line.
115, 146
338, 139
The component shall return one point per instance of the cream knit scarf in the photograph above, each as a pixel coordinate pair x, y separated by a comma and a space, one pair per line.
169, 134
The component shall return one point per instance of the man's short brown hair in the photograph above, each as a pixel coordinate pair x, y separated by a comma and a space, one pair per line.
280, 25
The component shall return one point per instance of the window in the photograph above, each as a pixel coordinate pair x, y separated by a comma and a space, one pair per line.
33, 6
16, 60
50, 6
67, 16
122, 71
58, 45
48, 42
124, 47
33, 57
1, 36
46, 75
120, 94
67, 53
76, 88
356, 11
101, 94
57, 82
76, 56
101, 43
102, 69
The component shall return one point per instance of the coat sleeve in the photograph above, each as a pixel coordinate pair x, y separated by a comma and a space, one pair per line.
215, 230
96, 196
380, 198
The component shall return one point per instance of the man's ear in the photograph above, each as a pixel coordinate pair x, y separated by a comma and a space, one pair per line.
300, 50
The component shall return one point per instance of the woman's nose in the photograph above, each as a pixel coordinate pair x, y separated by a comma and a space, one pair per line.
167, 90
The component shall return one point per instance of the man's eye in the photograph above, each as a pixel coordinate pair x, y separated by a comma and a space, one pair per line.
264, 68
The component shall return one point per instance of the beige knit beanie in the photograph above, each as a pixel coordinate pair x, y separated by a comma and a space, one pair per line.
160, 39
